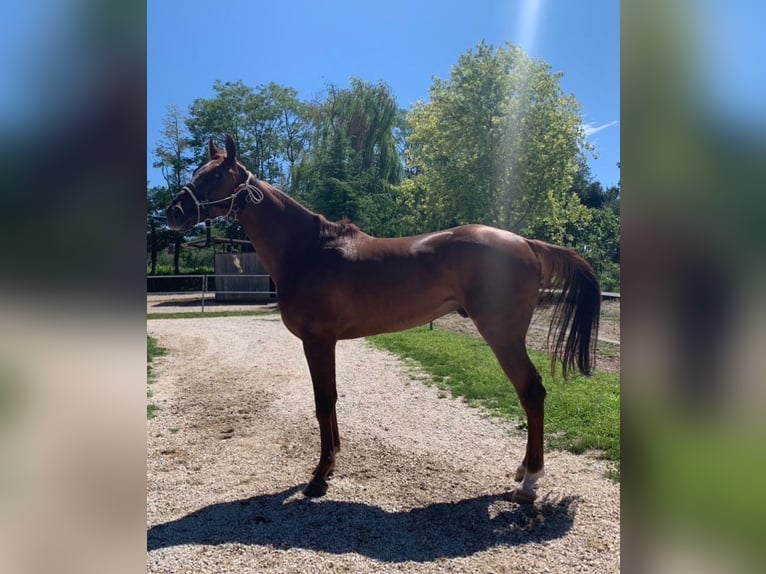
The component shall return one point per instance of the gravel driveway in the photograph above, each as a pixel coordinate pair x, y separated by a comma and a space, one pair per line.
423, 482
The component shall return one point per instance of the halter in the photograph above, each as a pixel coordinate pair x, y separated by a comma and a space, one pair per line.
254, 195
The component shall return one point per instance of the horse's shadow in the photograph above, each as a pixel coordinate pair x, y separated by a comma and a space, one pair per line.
440, 530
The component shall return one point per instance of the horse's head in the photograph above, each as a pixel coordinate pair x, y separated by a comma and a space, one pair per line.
213, 190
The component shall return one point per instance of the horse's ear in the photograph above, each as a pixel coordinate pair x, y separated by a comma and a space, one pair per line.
231, 149
211, 149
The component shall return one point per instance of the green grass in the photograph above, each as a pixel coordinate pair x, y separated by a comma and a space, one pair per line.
152, 351
608, 349
581, 414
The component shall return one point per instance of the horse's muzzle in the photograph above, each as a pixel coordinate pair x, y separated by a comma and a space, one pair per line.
179, 220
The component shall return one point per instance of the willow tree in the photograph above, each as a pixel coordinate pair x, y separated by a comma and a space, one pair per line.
353, 165
497, 143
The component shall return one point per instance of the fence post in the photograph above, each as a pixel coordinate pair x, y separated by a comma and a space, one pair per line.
204, 288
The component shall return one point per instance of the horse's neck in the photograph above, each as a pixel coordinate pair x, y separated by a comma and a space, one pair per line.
277, 226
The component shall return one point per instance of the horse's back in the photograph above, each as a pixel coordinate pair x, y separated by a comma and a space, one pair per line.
460, 258
474, 236
485, 249
476, 264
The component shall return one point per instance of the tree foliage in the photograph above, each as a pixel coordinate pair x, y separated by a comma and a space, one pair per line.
497, 143
592, 194
158, 236
591, 226
173, 157
173, 154
354, 163
269, 123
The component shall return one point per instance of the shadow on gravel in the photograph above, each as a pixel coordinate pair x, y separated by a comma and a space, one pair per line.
442, 530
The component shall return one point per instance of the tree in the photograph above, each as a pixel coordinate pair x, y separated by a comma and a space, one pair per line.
591, 226
591, 193
158, 236
353, 164
269, 123
498, 143
293, 129
173, 155
612, 199
226, 113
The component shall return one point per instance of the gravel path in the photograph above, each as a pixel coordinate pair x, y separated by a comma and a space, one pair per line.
422, 485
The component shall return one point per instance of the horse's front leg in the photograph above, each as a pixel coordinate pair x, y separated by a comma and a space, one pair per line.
320, 355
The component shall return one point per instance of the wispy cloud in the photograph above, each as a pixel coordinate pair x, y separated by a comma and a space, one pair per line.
590, 129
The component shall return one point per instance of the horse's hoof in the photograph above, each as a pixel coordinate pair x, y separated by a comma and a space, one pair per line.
315, 489
521, 497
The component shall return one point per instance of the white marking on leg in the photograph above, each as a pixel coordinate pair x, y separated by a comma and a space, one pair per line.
530, 479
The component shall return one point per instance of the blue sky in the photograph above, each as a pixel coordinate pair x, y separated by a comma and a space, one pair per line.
308, 45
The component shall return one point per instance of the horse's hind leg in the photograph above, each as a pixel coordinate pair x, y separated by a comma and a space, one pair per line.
321, 360
510, 349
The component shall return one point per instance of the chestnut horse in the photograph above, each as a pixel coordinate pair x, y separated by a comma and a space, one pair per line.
336, 282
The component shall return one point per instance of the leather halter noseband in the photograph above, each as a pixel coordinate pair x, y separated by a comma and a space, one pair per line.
254, 195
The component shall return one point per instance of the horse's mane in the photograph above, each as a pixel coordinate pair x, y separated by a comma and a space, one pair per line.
336, 230
330, 231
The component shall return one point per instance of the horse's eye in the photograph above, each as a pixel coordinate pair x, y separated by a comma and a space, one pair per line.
217, 175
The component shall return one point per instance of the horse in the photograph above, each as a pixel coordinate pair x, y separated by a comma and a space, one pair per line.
336, 282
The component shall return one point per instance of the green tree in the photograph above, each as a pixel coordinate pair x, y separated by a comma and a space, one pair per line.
591, 226
592, 193
269, 123
354, 164
612, 199
498, 143
158, 236
293, 127
225, 113
173, 155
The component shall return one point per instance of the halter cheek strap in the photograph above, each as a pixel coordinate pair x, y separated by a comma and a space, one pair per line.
254, 195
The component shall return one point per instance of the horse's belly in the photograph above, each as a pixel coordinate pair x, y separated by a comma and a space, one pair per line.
391, 316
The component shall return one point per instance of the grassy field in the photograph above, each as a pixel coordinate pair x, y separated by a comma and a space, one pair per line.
152, 351
581, 414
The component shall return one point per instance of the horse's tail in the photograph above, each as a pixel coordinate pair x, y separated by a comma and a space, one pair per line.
570, 283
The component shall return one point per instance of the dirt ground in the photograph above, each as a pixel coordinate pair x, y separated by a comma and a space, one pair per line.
423, 482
